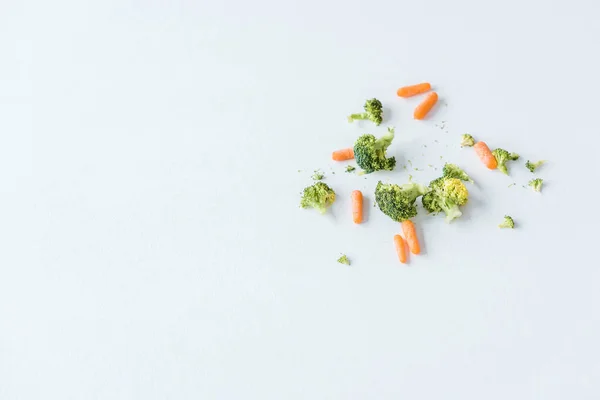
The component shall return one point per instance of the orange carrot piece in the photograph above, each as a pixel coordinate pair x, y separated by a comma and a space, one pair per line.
400, 248
410, 233
413, 90
343, 155
485, 155
357, 206
426, 105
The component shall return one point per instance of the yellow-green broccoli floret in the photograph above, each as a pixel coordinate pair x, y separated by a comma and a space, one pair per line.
502, 157
343, 260
536, 184
370, 153
533, 165
467, 141
318, 196
398, 201
507, 222
454, 171
373, 111
447, 195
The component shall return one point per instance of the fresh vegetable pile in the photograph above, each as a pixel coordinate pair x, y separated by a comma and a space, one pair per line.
445, 194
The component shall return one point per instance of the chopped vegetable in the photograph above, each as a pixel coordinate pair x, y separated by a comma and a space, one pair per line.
318, 175
446, 194
485, 155
370, 152
502, 157
532, 166
343, 155
507, 222
413, 90
398, 201
467, 141
410, 233
454, 171
343, 260
350, 168
400, 246
373, 111
536, 184
426, 105
318, 196
357, 206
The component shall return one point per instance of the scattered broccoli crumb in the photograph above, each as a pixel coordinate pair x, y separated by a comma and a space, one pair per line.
532, 166
318, 175
343, 260
410, 162
512, 184
350, 168
536, 184
373, 112
467, 141
430, 166
507, 222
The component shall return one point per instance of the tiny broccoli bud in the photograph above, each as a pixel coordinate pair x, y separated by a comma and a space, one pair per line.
507, 222
536, 184
533, 165
343, 260
350, 168
467, 141
318, 175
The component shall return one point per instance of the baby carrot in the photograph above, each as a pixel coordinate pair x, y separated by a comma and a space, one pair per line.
413, 90
357, 206
408, 228
426, 105
343, 155
400, 248
485, 155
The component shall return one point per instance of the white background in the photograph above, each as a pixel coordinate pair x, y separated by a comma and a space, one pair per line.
152, 246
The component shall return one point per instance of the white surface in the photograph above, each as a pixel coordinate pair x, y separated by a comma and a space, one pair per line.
153, 247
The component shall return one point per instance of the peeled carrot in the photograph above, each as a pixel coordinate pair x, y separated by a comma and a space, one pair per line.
485, 155
413, 90
343, 155
400, 248
426, 105
357, 206
410, 233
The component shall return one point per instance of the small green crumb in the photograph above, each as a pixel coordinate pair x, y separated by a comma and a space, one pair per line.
536, 184
512, 184
343, 260
507, 222
430, 166
410, 162
350, 168
318, 175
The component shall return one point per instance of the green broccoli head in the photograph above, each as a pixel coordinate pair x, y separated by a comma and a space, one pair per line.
532, 166
318, 196
398, 201
369, 152
373, 111
502, 157
536, 184
446, 194
467, 141
454, 171
507, 222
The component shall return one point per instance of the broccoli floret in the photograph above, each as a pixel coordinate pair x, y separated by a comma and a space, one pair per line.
318, 175
454, 171
502, 157
343, 260
507, 222
369, 152
318, 196
398, 201
467, 141
350, 168
532, 166
446, 194
536, 184
373, 111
